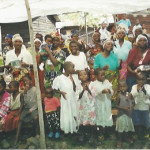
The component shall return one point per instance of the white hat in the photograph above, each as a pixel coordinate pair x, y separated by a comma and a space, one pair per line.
17, 37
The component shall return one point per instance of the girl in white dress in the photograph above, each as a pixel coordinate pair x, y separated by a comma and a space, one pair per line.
101, 90
86, 103
64, 84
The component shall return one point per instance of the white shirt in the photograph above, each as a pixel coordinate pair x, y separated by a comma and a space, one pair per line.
142, 101
80, 62
24, 55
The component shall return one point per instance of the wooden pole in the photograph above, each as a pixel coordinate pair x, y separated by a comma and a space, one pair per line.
85, 14
40, 110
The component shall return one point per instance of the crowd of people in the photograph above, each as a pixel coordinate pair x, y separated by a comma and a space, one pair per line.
80, 82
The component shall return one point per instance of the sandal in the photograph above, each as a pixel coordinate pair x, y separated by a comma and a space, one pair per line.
119, 144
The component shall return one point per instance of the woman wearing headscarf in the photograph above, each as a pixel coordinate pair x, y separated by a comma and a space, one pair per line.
94, 48
55, 61
121, 49
109, 62
19, 60
139, 55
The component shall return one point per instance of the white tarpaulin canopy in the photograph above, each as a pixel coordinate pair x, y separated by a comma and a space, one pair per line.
15, 11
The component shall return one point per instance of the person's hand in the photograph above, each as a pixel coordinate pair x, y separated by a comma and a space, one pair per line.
46, 48
106, 67
64, 95
43, 54
23, 65
105, 91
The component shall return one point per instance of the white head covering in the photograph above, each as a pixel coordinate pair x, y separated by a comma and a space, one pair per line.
106, 41
17, 37
121, 29
37, 40
139, 37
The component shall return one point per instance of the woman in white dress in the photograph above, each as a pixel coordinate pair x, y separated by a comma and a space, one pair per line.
64, 84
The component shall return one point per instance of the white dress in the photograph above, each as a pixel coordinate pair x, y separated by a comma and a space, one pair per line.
103, 102
69, 109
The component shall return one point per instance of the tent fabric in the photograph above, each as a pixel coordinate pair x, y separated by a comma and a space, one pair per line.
15, 10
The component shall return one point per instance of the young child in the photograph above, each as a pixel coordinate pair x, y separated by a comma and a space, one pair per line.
141, 95
4, 104
52, 105
87, 113
29, 112
124, 104
101, 90
64, 84
43, 53
16, 105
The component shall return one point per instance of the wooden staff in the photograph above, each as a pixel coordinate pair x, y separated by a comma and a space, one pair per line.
36, 76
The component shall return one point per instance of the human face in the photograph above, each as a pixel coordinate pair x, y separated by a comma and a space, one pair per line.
96, 37
141, 80
123, 87
17, 44
49, 93
142, 43
71, 68
27, 82
121, 34
74, 48
56, 42
101, 76
124, 16
8, 40
37, 45
108, 46
1, 89
75, 37
138, 32
83, 76
48, 41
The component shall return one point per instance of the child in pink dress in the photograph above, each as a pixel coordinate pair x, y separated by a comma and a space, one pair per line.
4, 104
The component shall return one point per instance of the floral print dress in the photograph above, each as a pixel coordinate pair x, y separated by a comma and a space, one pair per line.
87, 115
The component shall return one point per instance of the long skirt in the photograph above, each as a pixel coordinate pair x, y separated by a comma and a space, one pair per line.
11, 121
113, 77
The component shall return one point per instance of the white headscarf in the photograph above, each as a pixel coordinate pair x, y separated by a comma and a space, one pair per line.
37, 40
121, 29
139, 37
17, 37
106, 41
